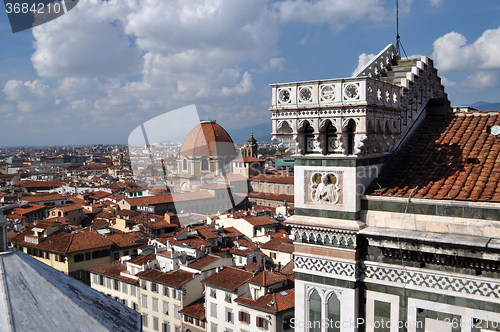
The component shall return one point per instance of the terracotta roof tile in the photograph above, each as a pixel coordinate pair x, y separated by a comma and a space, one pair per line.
451, 157
274, 178
273, 302
176, 278
112, 270
195, 309
266, 278
230, 278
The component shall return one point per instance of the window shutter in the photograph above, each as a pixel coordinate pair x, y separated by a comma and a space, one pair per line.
257, 321
248, 318
267, 325
240, 316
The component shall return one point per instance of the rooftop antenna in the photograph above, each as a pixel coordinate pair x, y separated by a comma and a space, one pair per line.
399, 46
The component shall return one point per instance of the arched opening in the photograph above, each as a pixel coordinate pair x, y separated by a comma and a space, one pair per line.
331, 136
333, 313
350, 129
184, 164
204, 165
315, 312
307, 129
284, 127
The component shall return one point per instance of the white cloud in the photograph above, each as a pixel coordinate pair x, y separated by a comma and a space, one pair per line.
30, 96
336, 13
436, 3
447, 82
452, 53
480, 80
363, 61
95, 48
277, 63
245, 86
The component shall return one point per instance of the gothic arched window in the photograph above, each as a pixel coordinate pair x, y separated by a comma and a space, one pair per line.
315, 312
333, 313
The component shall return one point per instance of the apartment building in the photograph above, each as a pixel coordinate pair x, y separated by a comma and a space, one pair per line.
240, 300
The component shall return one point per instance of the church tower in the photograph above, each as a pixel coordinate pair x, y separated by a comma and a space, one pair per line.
342, 131
250, 150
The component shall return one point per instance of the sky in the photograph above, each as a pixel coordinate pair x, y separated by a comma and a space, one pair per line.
98, 72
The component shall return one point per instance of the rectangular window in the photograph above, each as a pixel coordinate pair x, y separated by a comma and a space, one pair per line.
176, 312
273, 255
144, 320
155, 304
229, 316
108, 283
165, 291
144, 301
154, 287
135, 306
177, 329
116, 285
125, 302
227, 298
176, 294
213, 328
213, 293
143, 284
165, 308
88, 256
95, 279
213, 310
155, 323
244, 317
262, 322
124, 287
165, 327
78, 258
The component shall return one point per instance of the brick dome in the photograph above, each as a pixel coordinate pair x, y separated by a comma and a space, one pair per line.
208, 139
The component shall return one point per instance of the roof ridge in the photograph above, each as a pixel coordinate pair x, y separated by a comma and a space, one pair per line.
69, 244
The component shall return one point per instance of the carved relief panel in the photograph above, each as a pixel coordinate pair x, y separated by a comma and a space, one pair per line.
324, 187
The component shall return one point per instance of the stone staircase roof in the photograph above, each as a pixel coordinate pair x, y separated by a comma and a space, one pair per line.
397, 71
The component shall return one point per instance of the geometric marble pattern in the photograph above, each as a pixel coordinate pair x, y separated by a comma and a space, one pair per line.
321, 265
465, 286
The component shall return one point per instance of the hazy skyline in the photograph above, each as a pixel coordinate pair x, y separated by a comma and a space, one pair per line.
96, 73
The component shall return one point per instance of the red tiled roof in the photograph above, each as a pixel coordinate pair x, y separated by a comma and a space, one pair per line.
200, 263
42, 184
28, 209
143, 259
42, 198
273, 302
273, 178
176, 278
230, 278
263, 220
275, 243
65, 242
266, 278
451, 157
112, 270
271, 196
170, 198
195, 309
125, 239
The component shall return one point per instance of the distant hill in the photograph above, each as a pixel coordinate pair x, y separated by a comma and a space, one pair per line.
485, 106
261, 132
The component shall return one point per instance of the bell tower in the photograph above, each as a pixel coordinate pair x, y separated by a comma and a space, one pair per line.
342, 132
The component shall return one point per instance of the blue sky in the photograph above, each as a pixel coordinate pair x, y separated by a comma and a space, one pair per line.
96, 73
